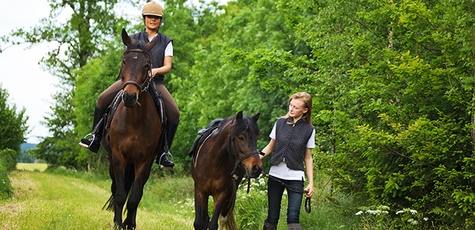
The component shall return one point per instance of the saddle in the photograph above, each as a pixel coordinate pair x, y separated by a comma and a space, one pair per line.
159, 105
203, 135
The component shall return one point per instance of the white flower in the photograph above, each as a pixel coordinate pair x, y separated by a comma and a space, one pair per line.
399, 212
413, 211
359, 213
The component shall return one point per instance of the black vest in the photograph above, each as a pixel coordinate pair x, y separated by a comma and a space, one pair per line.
291, 142
158, 51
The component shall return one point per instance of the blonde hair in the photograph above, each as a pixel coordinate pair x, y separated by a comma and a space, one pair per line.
307, 99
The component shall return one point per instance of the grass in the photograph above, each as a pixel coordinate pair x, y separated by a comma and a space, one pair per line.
32, 167
52, 201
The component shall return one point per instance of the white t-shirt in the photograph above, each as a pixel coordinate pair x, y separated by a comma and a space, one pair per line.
281, 170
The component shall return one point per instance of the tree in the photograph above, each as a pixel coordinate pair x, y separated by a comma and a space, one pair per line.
13, 129
397, 81
78, 39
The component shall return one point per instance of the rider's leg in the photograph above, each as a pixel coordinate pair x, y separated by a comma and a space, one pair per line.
173, 118
104, 100
94, 142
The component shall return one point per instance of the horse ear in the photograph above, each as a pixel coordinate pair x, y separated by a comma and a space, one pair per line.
125, 38
256, 117
239, 115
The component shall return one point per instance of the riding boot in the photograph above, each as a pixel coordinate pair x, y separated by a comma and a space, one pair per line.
269, 226
94, 143
294, 226
162, 159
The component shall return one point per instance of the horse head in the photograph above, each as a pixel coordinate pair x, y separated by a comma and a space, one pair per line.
244, 133
136, 68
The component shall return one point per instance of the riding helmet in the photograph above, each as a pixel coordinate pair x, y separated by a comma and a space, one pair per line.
152, 8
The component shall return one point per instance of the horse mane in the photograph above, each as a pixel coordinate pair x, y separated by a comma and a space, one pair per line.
241, 125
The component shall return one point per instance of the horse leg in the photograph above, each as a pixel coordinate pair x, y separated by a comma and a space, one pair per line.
120, 194
218, 206
142, 174
227, 212
201, 211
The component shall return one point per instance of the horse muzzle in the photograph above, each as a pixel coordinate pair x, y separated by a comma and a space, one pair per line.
253, 166
129, 99
256, 171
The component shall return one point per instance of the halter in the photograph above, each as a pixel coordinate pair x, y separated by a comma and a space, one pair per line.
239, 160
144, 87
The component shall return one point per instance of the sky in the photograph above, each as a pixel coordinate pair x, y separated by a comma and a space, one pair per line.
28, 86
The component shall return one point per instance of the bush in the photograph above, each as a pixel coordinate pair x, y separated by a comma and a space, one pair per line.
251, 208
5, 186
8, 157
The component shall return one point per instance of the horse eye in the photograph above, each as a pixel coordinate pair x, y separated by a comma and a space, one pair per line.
241, 137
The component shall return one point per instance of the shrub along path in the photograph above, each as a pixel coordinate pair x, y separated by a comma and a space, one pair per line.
52, 201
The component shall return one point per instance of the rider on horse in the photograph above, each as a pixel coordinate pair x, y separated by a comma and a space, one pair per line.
162, 55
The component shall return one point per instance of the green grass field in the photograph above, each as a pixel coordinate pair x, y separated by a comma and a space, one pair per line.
32, 166
44, 200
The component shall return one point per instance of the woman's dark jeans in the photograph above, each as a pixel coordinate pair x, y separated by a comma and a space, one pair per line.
275, 190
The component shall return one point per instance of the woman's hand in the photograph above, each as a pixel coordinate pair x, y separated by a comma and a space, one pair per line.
309, 191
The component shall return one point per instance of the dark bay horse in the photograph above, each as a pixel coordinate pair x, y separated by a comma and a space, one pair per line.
219, 164
134, 133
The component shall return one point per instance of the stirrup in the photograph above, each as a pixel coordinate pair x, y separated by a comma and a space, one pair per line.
159, 160
86, 142
90, 144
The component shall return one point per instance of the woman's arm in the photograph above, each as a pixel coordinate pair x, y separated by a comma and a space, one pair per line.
309, 168
268, 149
167, 66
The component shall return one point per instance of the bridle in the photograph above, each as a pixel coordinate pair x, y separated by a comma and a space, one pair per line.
144, 87
233, 153
239, 160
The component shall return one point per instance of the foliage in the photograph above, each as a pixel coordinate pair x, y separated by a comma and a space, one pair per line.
6, 189
9, 159
396, 112
13, 129
13, 126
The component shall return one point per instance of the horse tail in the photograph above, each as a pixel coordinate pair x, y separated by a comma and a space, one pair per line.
228, 222
109, 205
129, 177
129, 180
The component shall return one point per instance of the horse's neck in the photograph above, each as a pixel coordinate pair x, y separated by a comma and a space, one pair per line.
221, 148
146, 109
